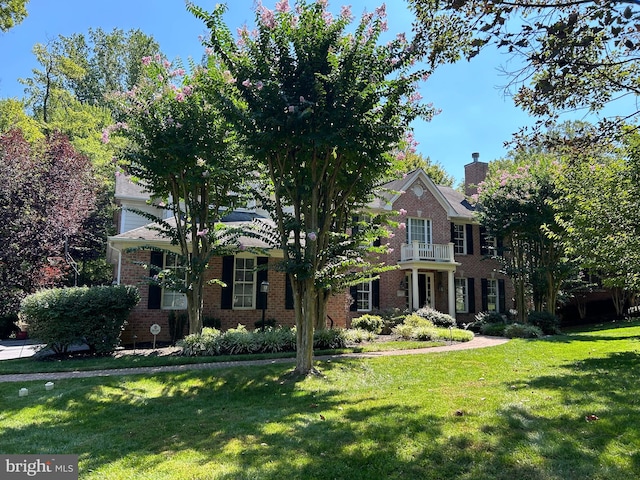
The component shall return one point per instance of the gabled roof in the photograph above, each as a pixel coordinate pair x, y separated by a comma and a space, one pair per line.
128, 190
453, 202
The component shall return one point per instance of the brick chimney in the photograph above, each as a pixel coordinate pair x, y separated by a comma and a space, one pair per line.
474, 173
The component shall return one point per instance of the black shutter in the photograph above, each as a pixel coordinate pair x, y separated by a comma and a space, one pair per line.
226, 299
471, 293
353, 290
375, 293
501, 294
288, 292
485, 299
453, 232
261, 276
469, 239
499, 247
155, 291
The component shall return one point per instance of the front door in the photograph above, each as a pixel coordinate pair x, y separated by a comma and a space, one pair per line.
425, 290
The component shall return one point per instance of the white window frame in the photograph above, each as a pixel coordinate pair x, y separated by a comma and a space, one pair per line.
459, 238
462, 295
364, 296
170, 299
419, 227
493, 293
244, 278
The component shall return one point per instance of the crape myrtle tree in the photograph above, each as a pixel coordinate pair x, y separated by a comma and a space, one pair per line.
599, 210
515, 205
186, 154
46, 192
572, 54
323, 106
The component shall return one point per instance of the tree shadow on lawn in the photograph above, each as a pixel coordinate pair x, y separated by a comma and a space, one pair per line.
600, 397
260, 423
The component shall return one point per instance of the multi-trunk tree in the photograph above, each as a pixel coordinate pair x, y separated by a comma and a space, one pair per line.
324, 105
187, 155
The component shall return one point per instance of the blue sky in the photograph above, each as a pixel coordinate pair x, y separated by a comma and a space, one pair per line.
476, 116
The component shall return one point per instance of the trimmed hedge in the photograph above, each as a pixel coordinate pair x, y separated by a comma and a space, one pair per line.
60, 317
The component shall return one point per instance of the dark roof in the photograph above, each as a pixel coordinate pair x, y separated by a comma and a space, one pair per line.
458, 201
125, 188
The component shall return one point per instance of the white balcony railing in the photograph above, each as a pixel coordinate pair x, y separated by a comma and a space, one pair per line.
429, 252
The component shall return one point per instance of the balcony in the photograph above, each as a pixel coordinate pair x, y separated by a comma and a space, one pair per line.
426, 252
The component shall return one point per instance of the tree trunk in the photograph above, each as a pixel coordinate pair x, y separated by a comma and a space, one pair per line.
306, 308
194, 306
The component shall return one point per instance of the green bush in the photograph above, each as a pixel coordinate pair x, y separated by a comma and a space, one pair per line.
370, 323
424, 334
415, 320
437, 318
281, 339
493, 329
453, 334
8, 326
96, 316
485, 318
358, 335
547, 322
329, 339
518, 330
206, 343
403, 331
236, 341
390, 318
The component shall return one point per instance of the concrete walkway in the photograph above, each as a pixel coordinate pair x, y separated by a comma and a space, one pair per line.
479, 341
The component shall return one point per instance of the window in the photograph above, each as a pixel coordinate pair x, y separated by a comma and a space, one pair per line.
244, 283
492, 295
459, 239
171, 299
419, 230
462, 295
363, 297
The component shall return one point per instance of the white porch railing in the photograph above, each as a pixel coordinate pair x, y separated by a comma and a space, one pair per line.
430, 252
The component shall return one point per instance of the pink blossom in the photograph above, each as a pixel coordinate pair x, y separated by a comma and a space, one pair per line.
282, 6
259, 85
228, 77
392, 235
345, 13
180, 97
402, 226
105, 135
203, 232
160, 78
302, 100
166, 63
208, 51
187, 90
312, 236
390, 250
247, 83
415, 97
403, 212
291, 109
241, 247
267, 18
146, 60
381, 11
401, 37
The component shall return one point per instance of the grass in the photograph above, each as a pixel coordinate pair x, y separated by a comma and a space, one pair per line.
50, 364
513, 411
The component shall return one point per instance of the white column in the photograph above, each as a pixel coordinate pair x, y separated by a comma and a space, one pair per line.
414, 289
452, 294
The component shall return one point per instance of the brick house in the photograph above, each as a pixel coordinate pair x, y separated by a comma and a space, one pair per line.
439, 249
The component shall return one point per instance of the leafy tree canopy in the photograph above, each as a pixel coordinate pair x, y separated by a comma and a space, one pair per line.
12, 12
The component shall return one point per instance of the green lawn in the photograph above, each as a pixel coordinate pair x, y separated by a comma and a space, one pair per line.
516, 411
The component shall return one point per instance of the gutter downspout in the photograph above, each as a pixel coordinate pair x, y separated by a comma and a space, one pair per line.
119, 268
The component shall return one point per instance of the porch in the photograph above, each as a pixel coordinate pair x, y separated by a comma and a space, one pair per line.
427, 252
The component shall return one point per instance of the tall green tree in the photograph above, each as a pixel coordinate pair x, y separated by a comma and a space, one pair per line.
515, 205
573, 53
599, 210
187, 155
324, 105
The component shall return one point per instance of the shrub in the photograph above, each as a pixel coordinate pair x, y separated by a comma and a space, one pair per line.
272, 340
547, 322
390, 318
205, 343
8, 326
484, 318
518, 330
238, 340
403, 331
454, 334
329, 339
415, 320
370, 323
437, 318
493, 329
358, 335
96, 316
424, 334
